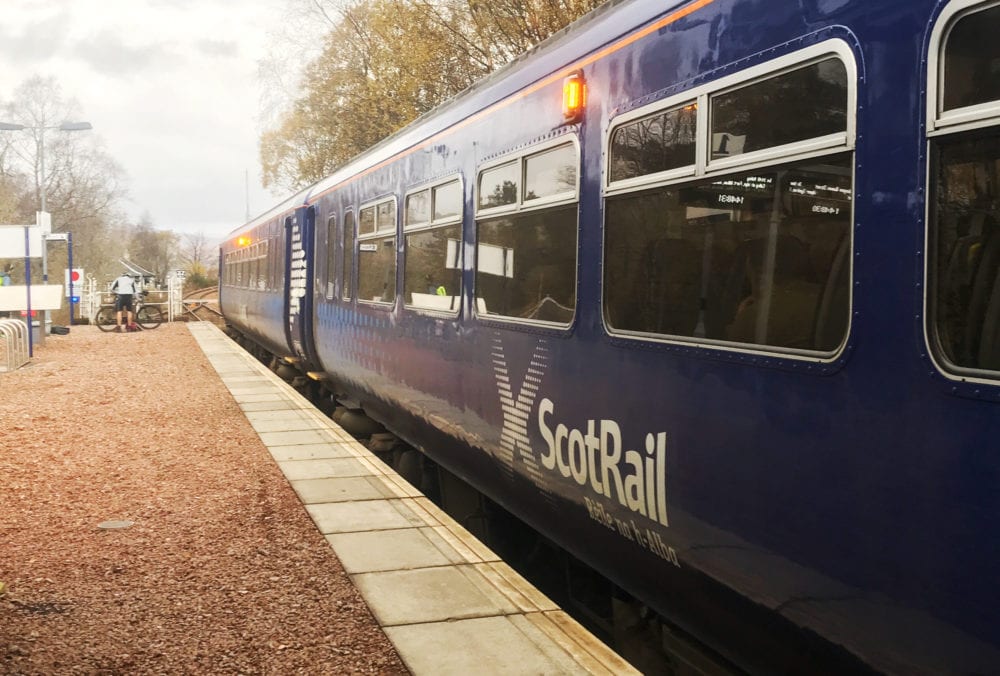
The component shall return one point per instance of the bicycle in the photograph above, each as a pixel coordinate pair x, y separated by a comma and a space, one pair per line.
146, 316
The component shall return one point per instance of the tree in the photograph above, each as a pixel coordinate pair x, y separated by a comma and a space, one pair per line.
385, 62
197, 252
155, 250
84, 185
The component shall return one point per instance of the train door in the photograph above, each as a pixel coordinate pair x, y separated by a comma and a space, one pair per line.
299, 228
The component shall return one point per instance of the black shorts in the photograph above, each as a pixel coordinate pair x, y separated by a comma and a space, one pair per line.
124, 302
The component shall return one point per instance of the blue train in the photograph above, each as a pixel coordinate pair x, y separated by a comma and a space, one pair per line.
707, 293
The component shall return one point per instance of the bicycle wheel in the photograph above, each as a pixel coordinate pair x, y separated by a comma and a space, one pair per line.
149, 317
105, 319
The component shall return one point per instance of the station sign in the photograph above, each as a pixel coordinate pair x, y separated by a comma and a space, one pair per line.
77, 276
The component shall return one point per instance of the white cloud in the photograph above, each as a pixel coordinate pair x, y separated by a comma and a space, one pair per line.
171, 87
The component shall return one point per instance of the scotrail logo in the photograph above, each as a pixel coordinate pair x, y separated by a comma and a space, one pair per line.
592, 455
517, 406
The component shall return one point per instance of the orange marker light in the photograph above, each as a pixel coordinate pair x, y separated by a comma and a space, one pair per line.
574, 97
243, 241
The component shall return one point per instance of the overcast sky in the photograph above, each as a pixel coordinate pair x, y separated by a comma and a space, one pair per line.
171, 87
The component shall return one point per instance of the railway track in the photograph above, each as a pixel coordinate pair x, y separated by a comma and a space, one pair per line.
203, 305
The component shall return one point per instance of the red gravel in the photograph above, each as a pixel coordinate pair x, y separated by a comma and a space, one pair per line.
222, 571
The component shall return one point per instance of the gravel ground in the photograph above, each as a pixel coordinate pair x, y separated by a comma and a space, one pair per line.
221, 572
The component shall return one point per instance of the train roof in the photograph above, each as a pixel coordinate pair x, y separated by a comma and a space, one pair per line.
296, 200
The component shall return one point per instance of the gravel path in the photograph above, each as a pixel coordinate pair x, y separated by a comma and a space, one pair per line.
222, 571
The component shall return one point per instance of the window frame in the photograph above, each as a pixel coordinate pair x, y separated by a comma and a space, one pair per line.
519, 207
379, 233
433, 224
706, 168
332, 276
430, 186
940, 125
349, 259
965, 118
521, 156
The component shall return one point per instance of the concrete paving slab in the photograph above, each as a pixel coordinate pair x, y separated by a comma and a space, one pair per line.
314, 491
286, 414
323, 468
399, 487
403, 549
591, 655
293, 438
270, 404
299, 424
270, 396
335, 449
262, 387
349, 517
429, 595
493, 645
242, 377
505, 580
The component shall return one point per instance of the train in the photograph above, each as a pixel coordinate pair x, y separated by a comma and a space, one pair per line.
708, 294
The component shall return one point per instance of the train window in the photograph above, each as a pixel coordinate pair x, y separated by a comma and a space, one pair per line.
659, 142
971, 60
526, 256
551, 173
417, 209
499, 186
433, 273
253, 266
448, 200
758, 258
366, 221
526, 265
964, 265
377, 253
432, 276
804, 103
272, 263
963, 262
331, 255
386, 216
347, 258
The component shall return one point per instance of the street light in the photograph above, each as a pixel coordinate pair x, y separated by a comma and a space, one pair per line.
65, 126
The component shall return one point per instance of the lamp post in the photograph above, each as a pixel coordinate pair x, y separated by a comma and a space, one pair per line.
40, 178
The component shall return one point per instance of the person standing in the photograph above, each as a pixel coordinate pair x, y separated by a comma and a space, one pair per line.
124, 287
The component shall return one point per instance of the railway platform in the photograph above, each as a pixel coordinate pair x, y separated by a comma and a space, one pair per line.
447, 603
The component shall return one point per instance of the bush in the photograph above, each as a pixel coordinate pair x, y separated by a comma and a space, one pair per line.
197, 280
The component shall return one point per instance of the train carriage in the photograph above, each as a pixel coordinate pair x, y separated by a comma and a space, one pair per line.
709, 295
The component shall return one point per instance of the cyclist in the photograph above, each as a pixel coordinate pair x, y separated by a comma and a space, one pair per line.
124, 286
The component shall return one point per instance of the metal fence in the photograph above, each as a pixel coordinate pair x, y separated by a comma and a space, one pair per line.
13, 344
169, 300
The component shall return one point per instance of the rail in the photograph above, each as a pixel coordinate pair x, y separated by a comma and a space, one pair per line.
14, 343
192, 305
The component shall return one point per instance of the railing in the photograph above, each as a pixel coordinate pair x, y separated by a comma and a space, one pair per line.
13, 344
